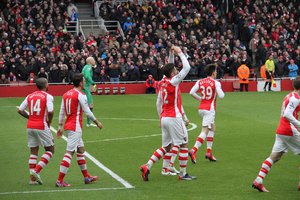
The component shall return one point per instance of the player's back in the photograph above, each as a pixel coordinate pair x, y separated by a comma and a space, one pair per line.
207, 89
37, 107
285, 127
72, 110
171, 98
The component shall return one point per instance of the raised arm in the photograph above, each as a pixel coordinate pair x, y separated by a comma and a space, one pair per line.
194, 91
171, 57
185, 70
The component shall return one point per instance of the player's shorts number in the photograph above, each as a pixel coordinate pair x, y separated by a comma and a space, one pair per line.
206, 92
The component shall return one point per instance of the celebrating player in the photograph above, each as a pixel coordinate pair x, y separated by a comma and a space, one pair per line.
170, 110
87, 72
208, 88
73, 102
287, 135
40, 107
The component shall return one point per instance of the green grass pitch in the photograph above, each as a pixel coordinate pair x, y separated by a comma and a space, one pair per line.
246, 124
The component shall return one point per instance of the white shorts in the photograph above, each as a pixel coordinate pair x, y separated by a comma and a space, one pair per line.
74, 140
283, 143
37, 138
173, 131
208, 117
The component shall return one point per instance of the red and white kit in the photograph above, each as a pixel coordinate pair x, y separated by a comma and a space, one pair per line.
72, 105
287, 134
209, 89
39, 103
169, 107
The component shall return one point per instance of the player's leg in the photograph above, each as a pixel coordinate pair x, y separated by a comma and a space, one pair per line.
32, 161
168, 162
278, 150
174, 151
82, 164
209, 143
33, 143
166, 124
91, 105
72, 144
46, 140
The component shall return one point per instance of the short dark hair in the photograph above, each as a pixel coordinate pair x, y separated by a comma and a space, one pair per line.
168, 69
41, 83
210, 68
296, 83
77, 79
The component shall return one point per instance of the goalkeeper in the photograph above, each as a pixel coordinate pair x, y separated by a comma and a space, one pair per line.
87, 72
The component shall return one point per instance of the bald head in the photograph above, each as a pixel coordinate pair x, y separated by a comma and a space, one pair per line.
91, 61
41, 83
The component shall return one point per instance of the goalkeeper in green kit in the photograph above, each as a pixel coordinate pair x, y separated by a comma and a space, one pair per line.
87, 72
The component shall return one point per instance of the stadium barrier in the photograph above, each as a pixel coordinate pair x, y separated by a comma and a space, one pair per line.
22, 90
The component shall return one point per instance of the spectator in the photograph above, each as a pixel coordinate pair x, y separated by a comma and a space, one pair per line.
293, 69
150, 85
42, 73
3, 79
31, 79
73, 71
133, 73
280, 67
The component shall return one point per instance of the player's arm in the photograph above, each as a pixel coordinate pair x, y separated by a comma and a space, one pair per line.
194, 91
85, 107
171, 57
288, 112
184, 117
159, 103
50, 109
61, 119
22, 108
185, 70
219, 90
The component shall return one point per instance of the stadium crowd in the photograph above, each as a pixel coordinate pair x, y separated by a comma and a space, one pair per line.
34, 42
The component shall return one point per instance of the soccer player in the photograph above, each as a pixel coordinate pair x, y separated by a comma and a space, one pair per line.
39, 115
287, 135
208, 88
169, 158
73, 103
87, 72
170, 110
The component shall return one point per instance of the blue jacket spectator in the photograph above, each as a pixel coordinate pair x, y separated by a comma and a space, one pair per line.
293, 69
127, 24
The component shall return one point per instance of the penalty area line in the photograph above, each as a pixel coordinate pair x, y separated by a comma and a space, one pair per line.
63, 190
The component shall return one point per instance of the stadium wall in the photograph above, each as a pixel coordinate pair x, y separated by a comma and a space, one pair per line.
132, 88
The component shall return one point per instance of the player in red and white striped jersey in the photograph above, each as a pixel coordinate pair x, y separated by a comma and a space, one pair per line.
73, 103
209, 88
40, 107
169, 107
287, 135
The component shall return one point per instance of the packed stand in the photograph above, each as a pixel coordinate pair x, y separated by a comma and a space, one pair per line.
229, 34
34, 41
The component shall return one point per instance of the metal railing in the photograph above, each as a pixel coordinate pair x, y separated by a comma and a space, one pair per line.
99, 26
72, 27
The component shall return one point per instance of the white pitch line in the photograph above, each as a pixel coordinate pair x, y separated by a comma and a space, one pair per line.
99, 164
67, 190
194, 126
